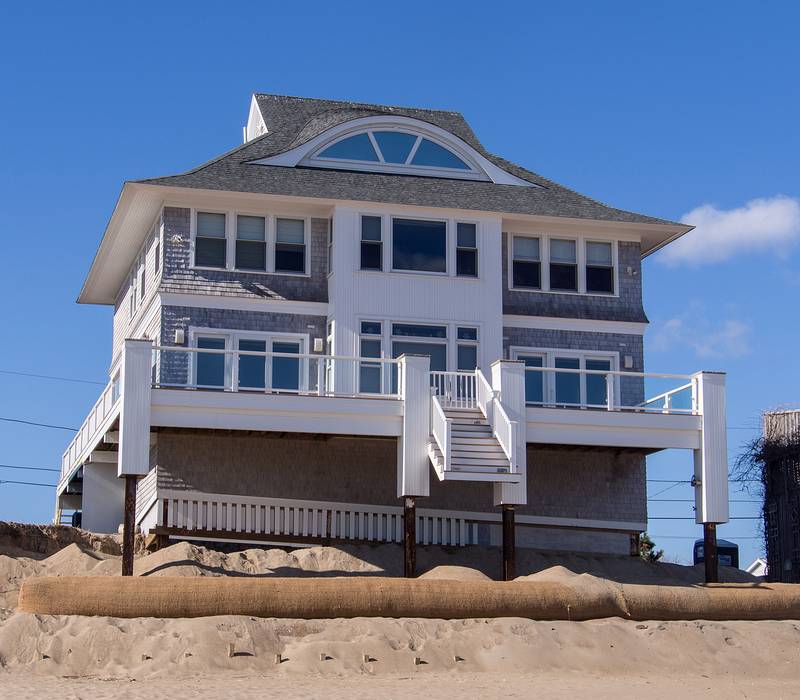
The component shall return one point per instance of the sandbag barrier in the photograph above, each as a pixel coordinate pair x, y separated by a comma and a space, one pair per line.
171, 597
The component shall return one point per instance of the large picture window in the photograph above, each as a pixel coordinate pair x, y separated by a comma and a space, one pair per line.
209, 242
419, 246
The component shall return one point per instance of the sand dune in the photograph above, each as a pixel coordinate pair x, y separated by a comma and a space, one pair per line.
508, 657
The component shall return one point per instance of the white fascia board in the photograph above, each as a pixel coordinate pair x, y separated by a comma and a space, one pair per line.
210, 301
573, 324
612, 429
178, 408
292, 157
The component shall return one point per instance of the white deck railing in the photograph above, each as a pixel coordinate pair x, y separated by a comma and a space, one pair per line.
102, 413
504, 429
186, 512
146, 493
274, 372
557, 388
455, 389
440, 429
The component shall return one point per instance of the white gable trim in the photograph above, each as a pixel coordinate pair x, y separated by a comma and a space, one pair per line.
299, 154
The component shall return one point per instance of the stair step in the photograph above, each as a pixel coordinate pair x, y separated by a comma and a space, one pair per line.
476, 447
466, 461
479, 470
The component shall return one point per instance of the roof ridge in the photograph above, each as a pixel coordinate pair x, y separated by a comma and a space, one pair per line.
351, 104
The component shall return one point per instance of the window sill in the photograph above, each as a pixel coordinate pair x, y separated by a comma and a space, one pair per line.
412, 273
604, 295
235, 270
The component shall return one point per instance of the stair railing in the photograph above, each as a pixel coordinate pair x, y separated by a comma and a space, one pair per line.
440, 429
503, 428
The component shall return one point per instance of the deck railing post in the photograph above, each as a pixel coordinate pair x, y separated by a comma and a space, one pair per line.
610, 392
711, 461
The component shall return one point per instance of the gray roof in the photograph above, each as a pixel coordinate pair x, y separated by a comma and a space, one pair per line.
292, 121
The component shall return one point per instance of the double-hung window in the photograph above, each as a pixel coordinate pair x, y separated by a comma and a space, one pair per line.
466, 250
419, 246
371, 243
290, 245
563, 265
251, 243
210, 242
211, 367
599, 268
526, 263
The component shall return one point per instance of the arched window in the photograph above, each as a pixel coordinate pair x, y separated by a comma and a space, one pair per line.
395, 150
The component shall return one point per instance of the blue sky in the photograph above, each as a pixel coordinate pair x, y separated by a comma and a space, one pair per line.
654, 107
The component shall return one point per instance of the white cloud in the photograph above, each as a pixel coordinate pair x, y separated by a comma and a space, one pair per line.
710, 339
761, 224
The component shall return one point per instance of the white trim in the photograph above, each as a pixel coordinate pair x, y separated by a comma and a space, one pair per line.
210, 301
574, 324
294, 156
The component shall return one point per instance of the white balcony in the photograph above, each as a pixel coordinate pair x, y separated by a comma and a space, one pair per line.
466, 425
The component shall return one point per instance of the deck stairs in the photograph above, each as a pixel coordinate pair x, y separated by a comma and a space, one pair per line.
475, 452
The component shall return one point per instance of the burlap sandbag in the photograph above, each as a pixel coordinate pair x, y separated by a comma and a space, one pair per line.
162, 596
718, 601
387, 597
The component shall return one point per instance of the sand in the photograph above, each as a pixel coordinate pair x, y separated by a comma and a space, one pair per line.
68, 656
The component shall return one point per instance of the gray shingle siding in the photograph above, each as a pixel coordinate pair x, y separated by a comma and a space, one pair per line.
173, 366
625, 307
631, 388
179, 276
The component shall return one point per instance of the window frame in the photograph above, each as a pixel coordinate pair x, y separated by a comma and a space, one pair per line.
577, 264
235, 230
473, 171
476, 249
193, 238
270, 234
382, 257
544, 262
512, 259
549, 355
232, 338
306, 246
448, 264
451, 340
614, 265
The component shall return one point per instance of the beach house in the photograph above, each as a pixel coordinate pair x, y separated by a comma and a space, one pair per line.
360, 325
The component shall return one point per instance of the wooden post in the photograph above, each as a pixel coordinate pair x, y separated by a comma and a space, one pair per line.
710, 552
635, 544
409, 537
128, 525
509, 544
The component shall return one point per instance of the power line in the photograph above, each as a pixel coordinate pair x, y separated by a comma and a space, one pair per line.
39, 425
673, 517
686, 500
689, 537
26, 483
49, 376
32, 469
